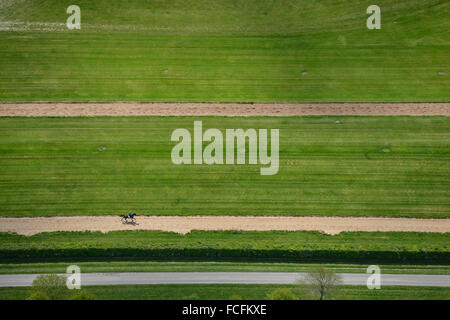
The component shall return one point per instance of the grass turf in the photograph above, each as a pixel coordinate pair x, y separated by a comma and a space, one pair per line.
357, 166
237, 246
244, 291
225, 50
193, 266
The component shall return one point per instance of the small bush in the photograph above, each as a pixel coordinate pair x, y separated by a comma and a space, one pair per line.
83, 295
52, 285
38, 295
281, 294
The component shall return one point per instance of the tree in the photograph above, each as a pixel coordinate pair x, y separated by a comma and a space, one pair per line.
321, 283
281, 294
82, 295
52, 285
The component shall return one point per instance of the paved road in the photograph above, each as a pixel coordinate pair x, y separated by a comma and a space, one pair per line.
116, 278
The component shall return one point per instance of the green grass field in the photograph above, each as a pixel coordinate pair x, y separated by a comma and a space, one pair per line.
224, 50
247, 292
195, 266
361, 166
270, 246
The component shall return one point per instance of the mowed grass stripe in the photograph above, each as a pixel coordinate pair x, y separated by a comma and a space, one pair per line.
360, 166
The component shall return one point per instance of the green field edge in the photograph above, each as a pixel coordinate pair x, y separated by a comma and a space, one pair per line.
237, 291
148, 266
394, 248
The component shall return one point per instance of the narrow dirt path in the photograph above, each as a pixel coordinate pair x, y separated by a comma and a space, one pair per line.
184, 224
221, 109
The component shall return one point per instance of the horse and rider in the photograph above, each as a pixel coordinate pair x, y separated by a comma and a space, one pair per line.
130, 215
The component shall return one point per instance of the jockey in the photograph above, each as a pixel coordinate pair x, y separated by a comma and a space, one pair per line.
130, 214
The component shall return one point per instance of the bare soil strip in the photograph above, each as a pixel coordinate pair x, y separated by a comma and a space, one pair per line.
184, 224
222, 109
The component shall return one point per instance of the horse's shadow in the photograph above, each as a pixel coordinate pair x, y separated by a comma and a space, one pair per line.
133, 223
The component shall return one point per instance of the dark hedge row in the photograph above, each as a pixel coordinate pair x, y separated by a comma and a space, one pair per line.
349, 247
97, 254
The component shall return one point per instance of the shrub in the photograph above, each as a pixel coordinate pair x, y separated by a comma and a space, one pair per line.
52, 285
281, 294
82, 295
38, 295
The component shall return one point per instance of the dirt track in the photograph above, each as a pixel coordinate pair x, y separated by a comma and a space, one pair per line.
179, 224
221, 109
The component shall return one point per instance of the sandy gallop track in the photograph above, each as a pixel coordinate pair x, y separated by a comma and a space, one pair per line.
221, 109
184, 224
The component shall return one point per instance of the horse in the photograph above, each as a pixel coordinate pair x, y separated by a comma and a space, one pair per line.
125, 217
